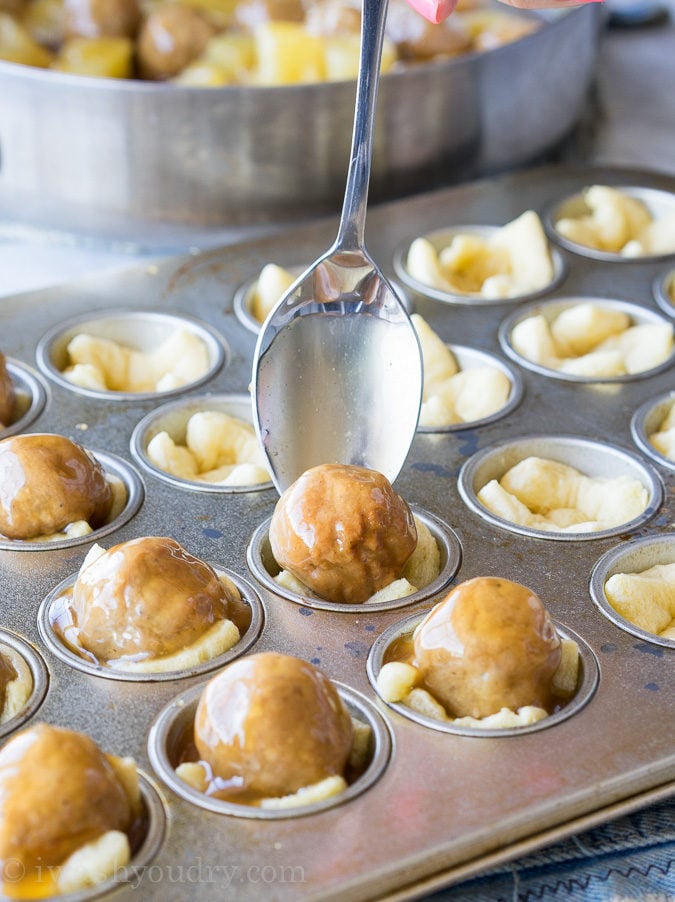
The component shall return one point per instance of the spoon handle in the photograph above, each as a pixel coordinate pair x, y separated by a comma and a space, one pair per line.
353, 219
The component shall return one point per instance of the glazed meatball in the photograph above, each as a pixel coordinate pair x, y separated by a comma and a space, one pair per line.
271, 724
416, 39
146, 598
489, 645
7, 394
102, 18
58, 791
49, 481
343, 532
171, 37
251, 13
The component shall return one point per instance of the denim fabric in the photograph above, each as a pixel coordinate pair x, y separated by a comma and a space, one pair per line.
631, 859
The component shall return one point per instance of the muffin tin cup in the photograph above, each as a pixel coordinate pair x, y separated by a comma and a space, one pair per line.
551, 309
469, 358
133, 484
31, 397
659, 203
263, 566
172, 418
587, 683
592, 458
631, 557
39, 674
140, 865
55, 644
137, 329
646, 420
441, 238
174, 722
664, 292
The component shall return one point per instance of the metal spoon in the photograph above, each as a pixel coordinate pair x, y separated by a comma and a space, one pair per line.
337, 371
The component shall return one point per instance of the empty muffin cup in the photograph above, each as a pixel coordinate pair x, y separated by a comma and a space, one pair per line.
441, 239
54, 620
659, 204
171, 734
472, 358
173, 419
264, 567
633, 559
589, 458
27, 681
531, 348
128, 495
30, 399
647, 421
173, 353
401, 633
664, 292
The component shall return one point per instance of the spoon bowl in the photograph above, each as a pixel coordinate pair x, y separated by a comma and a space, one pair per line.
337, 371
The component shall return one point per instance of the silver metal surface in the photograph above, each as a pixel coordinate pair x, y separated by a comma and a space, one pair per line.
632, 557
174, 722
468, 358
135, 492
39, 675
337, 368
659, 203
553, 308
152, 165
446, 806
139, 330
441, 238
53, 641
262, 564
31, 397
595, 459
173, 418
587, 683
646, 420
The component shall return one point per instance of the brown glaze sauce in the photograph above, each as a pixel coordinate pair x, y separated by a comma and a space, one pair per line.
271, 726
343, 532
489, 644
144, 599
58, 792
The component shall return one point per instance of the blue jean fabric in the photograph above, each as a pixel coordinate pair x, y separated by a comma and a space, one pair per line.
631, 859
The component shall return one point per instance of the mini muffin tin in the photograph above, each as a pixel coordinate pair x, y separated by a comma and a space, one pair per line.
441, 806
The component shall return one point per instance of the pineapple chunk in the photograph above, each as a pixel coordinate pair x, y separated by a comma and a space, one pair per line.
105, 57
17, 45
288, 55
